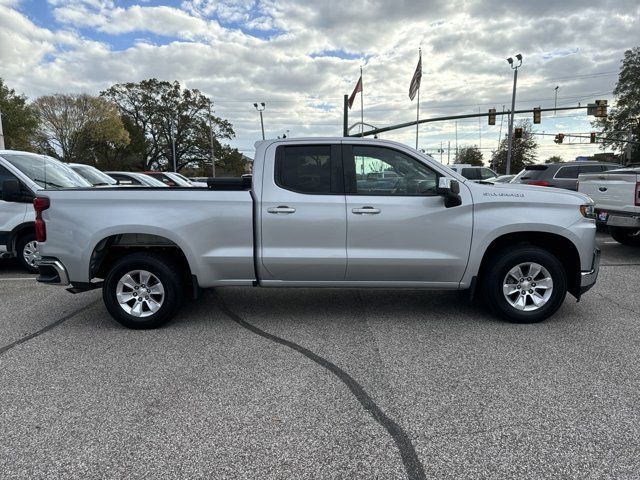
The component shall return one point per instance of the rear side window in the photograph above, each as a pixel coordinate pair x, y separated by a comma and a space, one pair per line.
591, 168
568, 172
471, 173
304, 169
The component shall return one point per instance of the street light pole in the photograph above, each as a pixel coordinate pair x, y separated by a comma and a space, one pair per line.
513, 108
1, 134
213, 157
260, 108
555, 102
173, 144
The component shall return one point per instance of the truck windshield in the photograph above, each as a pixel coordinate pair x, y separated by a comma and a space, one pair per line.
93, 175
46, 171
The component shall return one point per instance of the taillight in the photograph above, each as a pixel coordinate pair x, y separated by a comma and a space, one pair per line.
542, 183
637, 194
40, 204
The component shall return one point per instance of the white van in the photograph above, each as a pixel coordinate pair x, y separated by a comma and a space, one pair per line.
31, 172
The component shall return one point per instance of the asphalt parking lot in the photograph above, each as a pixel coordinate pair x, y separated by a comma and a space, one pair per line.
256, 383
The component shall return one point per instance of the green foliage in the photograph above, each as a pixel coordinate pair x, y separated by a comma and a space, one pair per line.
19, 121
78, 128
470, 155
624, 118
524, 151
164, 114
554, 159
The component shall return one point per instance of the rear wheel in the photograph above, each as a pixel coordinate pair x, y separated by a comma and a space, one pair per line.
525, 284
626, 236
27, 252
143, 291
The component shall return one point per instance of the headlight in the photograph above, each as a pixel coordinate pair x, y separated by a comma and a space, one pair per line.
588, 211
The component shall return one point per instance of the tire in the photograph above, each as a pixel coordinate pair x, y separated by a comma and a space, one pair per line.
626, 236
139, 275
26, 252
538, 303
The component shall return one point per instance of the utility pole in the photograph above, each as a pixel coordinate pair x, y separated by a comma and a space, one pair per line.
441, 152
213, 157
1, 134
555, 102
629, 147
479, 131
514, 67
449, 152
456, 159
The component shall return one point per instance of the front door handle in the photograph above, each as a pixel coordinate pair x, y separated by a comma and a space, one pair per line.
281, 209
366, 211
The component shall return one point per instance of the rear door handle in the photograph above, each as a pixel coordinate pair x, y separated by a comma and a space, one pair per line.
281, 209
366, 211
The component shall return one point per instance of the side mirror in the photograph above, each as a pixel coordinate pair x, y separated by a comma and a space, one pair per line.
449, 188
12, 192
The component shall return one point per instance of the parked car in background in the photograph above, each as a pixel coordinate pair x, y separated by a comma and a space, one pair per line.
170, 179
22, 175
616, 194
192, 181
91, 174
560, 175
135, 179
501, 179
475, 174
307, 222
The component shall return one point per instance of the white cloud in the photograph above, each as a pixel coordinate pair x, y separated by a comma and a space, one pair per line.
464, 47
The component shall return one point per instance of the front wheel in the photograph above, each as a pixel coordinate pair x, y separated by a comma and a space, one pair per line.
525, 284
626, 236
142, 291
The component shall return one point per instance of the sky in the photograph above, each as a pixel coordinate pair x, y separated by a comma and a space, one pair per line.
300, 57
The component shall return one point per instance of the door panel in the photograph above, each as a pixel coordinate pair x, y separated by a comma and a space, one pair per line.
304, 231
410, 236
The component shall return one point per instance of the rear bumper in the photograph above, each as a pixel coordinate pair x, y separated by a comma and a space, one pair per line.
52, 272
588, 278
618, 219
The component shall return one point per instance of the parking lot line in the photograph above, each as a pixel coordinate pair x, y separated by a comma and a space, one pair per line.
16, 279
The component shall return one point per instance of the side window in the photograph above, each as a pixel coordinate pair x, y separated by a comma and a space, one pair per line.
568, 172
486, 173
304, 169
5, 175
384, 171
471, 173
591, 169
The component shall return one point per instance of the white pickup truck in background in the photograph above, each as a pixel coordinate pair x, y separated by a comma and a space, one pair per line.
616, 195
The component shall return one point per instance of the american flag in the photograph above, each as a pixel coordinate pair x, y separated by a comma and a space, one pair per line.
355, 91
415, 81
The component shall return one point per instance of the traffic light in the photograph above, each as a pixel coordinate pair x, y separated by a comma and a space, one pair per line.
592, 137
492, 116
559, 138
601, 108
537, 115
517, 133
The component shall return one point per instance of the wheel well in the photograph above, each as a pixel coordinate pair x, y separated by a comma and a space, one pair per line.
18, 232
561, 247
112, 248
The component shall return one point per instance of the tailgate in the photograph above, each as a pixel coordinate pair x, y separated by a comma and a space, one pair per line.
614, 190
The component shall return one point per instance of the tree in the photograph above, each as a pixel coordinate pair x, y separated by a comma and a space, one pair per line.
19, 121
78, 128
623, 119
554, 159
470, 155
524, 151
166, 114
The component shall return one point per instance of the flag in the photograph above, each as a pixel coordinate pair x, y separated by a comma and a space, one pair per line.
355, 91
415, 81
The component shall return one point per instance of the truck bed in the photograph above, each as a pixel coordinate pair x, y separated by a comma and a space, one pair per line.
612, 191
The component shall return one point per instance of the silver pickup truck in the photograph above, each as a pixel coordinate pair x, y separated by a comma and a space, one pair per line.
312, 216
616, 194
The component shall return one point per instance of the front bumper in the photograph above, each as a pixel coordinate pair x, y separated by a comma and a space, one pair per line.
52, 272
588, 278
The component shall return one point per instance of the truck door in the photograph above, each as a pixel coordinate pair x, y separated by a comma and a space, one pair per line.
399, 230
303, 219
12, 214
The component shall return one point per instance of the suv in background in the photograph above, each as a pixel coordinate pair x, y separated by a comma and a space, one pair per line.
475, 174
560, 175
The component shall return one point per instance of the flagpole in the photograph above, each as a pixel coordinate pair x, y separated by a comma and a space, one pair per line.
361, 104
417, 117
